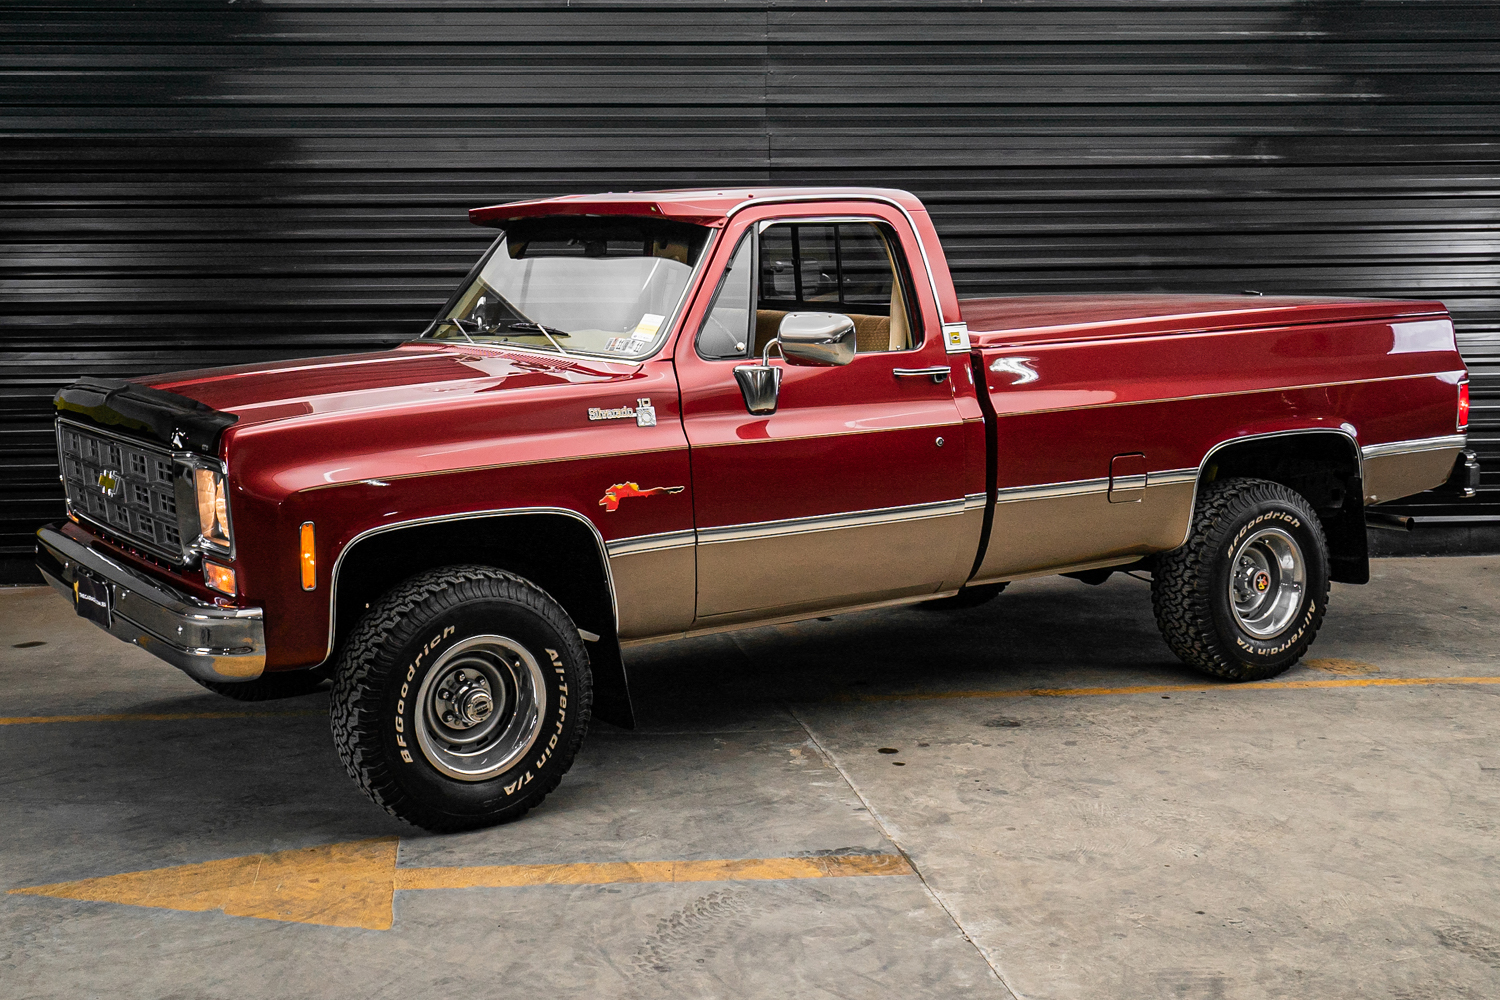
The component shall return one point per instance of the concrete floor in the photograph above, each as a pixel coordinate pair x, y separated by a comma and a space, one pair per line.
1336, 839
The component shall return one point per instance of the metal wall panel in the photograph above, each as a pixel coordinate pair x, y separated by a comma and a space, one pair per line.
185, 184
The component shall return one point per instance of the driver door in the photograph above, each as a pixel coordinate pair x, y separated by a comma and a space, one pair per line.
851, 493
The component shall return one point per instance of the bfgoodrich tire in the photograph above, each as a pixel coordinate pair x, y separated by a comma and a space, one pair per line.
1244, 598
460, 698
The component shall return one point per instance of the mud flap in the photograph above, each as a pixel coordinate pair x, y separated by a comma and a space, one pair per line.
1348, 544
611, 689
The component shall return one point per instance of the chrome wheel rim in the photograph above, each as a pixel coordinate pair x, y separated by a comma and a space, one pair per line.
1267, 579
480, 707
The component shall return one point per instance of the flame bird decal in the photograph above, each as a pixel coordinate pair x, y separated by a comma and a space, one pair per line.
619, 491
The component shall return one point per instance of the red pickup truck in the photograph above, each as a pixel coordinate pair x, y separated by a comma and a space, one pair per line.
655, 415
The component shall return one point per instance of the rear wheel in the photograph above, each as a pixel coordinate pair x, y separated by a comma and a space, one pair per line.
461, 698
1244, 598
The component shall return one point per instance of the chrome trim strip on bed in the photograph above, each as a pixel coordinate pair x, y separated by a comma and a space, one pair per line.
1083, 487
1172, 477
975, 501
651, 543
1050, 491
1413, 446
829, 522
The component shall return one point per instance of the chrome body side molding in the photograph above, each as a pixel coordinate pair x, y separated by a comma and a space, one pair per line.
637, 544
1084, 487
1414, 446
1394, 469
826, 522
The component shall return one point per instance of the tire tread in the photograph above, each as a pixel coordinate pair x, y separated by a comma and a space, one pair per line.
1180, 587
354, 708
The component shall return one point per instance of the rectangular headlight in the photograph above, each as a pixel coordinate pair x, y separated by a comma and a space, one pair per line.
213, 507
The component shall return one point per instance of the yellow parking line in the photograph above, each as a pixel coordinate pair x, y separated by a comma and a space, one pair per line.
1082, 692
30, 720
587, 873
353, 884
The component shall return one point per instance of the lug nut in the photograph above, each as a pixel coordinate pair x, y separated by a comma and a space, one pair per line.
447, 716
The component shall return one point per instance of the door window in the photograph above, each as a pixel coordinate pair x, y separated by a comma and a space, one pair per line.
852, 268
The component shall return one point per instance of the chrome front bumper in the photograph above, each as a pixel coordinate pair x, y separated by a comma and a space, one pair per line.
207, 642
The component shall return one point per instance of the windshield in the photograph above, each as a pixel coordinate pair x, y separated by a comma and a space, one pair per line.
579, 285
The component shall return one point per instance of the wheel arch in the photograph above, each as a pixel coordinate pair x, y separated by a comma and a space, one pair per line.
1322, 464
559, 550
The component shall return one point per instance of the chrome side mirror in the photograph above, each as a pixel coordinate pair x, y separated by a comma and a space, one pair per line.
822, 340
807, 338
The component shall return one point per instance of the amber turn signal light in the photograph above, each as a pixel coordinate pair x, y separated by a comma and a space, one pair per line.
220, 578
1463, 406
309, 557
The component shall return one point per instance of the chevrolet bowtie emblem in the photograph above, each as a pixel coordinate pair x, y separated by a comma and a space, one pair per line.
109, 483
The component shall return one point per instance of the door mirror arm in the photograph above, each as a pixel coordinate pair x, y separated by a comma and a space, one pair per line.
811, 339
760, 384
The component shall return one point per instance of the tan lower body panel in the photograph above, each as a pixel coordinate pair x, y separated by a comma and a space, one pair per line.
654, 591
1061, 534
1390, 477
835, 567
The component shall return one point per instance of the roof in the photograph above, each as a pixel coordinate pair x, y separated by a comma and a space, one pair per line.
703, 206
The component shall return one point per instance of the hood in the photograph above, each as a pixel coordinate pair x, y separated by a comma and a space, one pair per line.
410, 373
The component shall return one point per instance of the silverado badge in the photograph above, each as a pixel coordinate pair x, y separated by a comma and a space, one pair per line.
643, 412
619, 491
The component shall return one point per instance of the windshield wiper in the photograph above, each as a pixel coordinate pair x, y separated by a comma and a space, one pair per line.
526, 324
545, 331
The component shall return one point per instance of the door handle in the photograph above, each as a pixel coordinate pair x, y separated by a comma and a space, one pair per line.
937, 372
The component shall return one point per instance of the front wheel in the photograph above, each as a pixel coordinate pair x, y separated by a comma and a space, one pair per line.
461, 698
1244, 598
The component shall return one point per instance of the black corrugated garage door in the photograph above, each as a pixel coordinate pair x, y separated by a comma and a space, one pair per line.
189, 184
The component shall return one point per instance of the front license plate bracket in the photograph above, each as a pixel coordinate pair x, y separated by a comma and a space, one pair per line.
92, 599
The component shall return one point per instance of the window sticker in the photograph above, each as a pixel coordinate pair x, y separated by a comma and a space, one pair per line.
648, 326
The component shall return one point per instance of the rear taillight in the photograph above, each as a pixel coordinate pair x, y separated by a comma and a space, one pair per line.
1463, 406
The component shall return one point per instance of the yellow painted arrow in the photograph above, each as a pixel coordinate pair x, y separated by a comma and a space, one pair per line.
353, 884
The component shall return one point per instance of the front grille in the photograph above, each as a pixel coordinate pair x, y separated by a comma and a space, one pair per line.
123, 485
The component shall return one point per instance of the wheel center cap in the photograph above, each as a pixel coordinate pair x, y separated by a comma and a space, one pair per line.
1261, 581
475, 706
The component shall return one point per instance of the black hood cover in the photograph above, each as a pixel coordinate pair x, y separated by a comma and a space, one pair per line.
177, 421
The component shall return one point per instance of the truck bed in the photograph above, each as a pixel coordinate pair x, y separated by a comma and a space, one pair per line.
1029, 319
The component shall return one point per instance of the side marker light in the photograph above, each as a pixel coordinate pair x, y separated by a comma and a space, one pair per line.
309, 557
1463, 405
220, 578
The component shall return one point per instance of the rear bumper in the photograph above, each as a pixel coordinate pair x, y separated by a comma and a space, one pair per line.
207, 642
